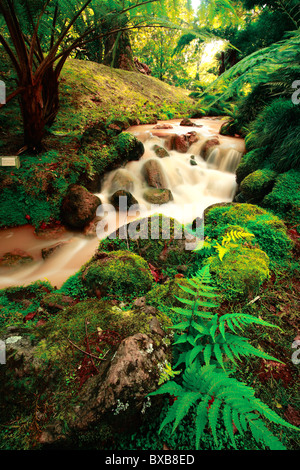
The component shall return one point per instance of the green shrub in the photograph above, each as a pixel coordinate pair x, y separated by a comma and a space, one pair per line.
284, 200
250, 162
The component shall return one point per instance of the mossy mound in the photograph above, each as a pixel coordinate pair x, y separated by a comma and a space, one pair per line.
119, 274
270, 232
162, 241
241, 272
258, 184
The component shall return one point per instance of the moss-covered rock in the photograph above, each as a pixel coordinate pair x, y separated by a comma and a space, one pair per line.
258, 184
118, 273
270, 232
241, 272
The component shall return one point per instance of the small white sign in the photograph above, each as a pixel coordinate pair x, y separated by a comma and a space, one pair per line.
10, 161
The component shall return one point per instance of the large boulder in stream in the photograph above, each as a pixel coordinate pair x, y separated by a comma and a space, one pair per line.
208, 146
154, 174
79, 207
181, 143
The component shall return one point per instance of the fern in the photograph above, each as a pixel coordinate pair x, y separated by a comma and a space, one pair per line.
227, 242
205, 344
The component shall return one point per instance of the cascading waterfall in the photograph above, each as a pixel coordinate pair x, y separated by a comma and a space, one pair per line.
194, 182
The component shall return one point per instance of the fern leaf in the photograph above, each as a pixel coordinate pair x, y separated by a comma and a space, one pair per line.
207, 353
227, 418
201, 419
213, 413
218, 354
185, 402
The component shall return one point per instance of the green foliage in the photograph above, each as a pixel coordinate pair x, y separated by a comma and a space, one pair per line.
14, 306
277, 128
37, 188
251, 162
156, 240
74, 287
241, 273
284, 200
205, 346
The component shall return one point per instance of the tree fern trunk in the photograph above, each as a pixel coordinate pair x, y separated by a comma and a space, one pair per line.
50, 96
33, 116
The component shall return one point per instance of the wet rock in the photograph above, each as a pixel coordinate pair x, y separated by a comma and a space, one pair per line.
180, 143
158, 196
46, 252
90, 230
187, 122
79, 207
163, 126
123, 200
119, 397
50, 232
208, 145
192, 137
161, 152
122, 180
153, 174
15, 258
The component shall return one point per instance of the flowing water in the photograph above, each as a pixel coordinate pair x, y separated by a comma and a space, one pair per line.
193, 187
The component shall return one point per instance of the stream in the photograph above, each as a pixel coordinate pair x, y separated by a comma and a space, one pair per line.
194, 187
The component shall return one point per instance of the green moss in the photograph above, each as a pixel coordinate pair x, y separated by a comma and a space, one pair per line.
259, 183
284, 200
17, 302
34, 192
117, 274
270, 232
241, 272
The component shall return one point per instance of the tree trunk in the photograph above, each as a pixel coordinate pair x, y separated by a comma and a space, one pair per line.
118, 52
50, 96
33, 116
39, 105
